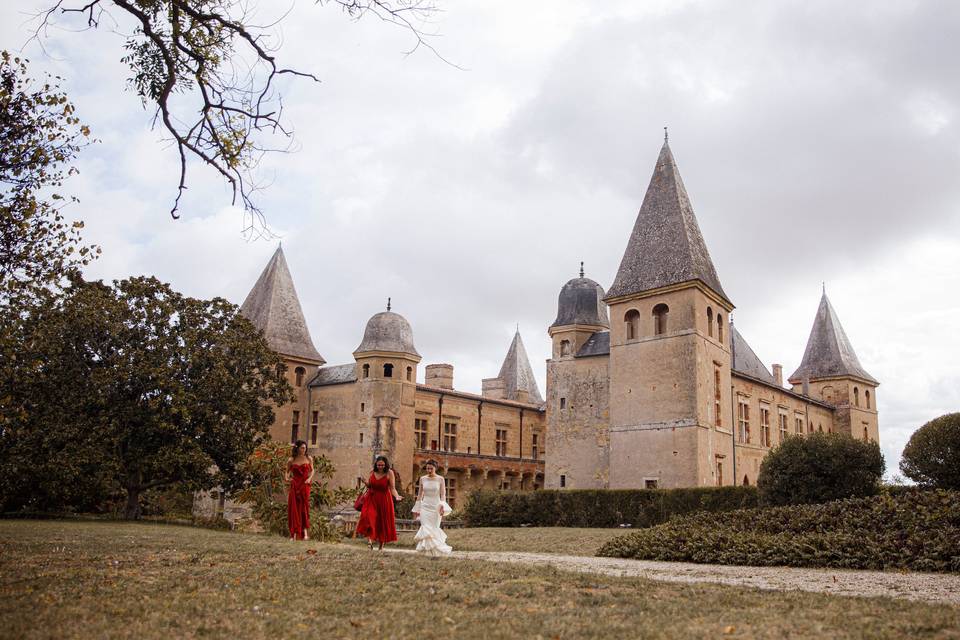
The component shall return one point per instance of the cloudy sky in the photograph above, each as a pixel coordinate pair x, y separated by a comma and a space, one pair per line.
818, 142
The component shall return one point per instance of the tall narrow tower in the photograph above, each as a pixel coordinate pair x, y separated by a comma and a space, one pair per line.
273, 307
830, 371
669, 353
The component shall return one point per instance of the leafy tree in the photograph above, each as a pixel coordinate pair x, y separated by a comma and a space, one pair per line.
138, 386
40, 136
209, 73
820, 467
932, 456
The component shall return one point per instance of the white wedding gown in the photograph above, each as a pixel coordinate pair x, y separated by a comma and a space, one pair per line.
431, 539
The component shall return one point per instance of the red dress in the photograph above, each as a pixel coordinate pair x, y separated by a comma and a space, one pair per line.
377, 519
298, 500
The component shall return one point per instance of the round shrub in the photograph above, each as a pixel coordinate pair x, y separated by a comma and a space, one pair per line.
932, 456
820, 467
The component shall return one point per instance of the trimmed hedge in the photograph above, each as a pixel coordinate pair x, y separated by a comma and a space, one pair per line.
599, 507
918, 530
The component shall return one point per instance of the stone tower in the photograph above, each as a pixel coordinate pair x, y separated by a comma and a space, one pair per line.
830, 371
669, 362
578, 389
273, 307
387, 383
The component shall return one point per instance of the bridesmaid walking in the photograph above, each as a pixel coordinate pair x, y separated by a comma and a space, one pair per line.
377, 517
299, 474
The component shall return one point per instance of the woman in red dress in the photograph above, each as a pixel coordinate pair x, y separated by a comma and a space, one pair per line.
377, 520
299, 474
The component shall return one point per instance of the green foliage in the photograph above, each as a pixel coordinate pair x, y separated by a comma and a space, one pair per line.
820, 467
918, 530
600, 507
147, 388
932, 456
40, 135
265, 490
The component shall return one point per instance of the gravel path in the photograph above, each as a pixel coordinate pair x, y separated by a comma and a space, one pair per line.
927, 587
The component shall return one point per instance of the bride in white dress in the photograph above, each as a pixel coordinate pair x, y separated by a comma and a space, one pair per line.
430, 507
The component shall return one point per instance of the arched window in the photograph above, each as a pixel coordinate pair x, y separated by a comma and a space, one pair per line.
632, 320
300, 371
865, 435
856, 397
746, 481
366, 371
820, 428
710, 321
866, 396
409, 374
660, 313
388, 370
564, 348
719, 327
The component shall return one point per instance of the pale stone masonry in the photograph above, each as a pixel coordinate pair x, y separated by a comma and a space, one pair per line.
649, 384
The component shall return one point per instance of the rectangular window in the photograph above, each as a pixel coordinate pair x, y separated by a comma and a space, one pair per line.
295, 428
650, 483
764, 425
563, 481
743, 420
433, 445
717, 419
563, 403
420, 433
451, 491
449, 436
798, 425
719, 473
782, 423
361, 438
536, 447
501, 442
362, 407
314, 427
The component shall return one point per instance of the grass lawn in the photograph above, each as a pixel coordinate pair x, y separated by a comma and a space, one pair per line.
561, 540
67, 579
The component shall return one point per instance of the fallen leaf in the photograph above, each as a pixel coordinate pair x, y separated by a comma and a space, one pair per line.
729, 629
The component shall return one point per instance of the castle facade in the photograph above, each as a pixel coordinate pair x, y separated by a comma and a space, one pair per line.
649, 383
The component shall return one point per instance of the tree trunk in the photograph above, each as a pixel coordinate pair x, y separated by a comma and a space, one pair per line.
132, 510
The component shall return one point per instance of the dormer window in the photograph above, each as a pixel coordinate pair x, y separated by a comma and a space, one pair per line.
388, 370
632, 322
660, 313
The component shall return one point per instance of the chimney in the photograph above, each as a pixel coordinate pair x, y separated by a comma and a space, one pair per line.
806, 386
493, 388
778, 374
439, 375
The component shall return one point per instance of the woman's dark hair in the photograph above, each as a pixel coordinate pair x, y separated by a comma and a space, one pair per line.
433, 462
296, 448
386, 463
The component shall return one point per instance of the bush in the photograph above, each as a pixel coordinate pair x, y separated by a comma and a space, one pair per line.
820, 467
932, 456
916, 529
598, 507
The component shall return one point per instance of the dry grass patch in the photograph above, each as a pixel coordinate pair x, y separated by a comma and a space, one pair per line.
558, 540
88, 579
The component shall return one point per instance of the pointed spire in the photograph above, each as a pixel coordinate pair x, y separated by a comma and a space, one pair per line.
273, 307
829, 352
517, 374
666, 246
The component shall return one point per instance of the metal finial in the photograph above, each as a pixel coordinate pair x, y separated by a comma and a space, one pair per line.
666, 136
518, 327
581, 268
824, 283
388, 304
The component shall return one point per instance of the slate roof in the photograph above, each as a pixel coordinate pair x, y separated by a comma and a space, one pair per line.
745, 360
274, 308
387, 331
581, 302
596, 345
666, 246
517, 373
829, 352
335, 374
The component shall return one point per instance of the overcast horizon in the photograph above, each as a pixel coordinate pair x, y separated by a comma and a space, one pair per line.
818, 143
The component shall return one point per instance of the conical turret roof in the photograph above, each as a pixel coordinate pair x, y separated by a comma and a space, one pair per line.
274, 308
666, 246
829, 352
517, 374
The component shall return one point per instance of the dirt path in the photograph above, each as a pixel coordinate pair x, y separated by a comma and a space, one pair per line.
927, 587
